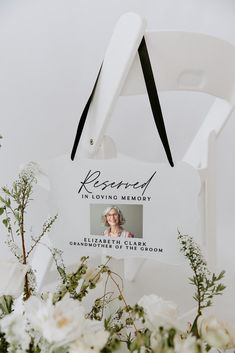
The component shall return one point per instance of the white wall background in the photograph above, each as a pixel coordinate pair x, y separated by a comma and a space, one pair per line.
50, 53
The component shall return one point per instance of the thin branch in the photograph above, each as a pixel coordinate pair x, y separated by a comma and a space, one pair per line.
46, 228
122, 297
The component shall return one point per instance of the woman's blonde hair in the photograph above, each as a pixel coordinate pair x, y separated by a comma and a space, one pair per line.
107, 210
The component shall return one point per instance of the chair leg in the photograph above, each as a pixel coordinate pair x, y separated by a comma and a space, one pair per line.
210, 203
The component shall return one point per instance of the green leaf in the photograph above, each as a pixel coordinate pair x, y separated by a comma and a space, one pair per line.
171, 336
17, 216
221, 275
3, 343
2, 209
5, 222
6, 302
8, 202
62, 272
2, 199
4, 189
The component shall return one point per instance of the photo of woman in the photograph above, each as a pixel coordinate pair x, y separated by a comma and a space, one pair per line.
113, 219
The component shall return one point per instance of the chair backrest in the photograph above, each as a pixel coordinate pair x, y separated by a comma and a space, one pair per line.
180, 60
187, 61
191, 62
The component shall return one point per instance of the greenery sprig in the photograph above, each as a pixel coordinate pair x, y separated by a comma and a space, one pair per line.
207, 285
122, 323
13, 205
128, 324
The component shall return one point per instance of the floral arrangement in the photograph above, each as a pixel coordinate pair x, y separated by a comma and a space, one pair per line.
59, 322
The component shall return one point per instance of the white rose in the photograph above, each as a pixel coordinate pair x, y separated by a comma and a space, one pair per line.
59, 323
12, 274
216, 333
158, 312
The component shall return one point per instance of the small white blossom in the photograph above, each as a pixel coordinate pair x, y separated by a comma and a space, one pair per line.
192, 251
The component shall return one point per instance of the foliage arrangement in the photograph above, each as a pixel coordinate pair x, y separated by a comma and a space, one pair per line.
14, 203
59, 322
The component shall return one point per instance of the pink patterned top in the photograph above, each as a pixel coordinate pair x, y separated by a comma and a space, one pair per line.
122, 234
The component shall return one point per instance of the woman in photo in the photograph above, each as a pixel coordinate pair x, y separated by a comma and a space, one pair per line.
113, 219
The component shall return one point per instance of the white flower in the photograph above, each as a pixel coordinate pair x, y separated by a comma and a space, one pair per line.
14, 326
59, 323
216, 333
186, 345
158, 312
12, 274
90, 342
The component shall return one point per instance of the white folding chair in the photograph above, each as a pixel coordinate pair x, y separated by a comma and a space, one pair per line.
181, 61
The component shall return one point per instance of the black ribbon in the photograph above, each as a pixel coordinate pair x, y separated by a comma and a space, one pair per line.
83, 119
153, 98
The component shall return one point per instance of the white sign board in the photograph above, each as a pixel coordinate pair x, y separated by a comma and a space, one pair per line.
122, 207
